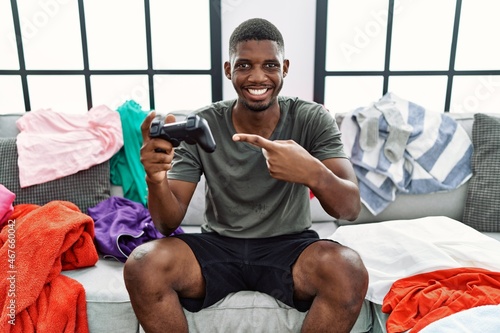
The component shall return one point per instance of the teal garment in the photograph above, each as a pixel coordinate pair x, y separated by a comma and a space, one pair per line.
126, 168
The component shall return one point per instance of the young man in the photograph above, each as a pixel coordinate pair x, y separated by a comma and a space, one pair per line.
270, 151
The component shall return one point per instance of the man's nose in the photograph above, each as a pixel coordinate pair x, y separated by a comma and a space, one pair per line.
257, 75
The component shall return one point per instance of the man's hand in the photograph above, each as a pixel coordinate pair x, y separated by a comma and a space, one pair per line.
286, 159
156, 154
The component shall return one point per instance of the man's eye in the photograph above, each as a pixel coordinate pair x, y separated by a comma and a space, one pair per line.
243, 66
271, 65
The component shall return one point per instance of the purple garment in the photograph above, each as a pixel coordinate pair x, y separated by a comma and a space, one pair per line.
121, 225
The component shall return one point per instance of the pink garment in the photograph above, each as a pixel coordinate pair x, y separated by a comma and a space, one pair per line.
53, 145
6, 200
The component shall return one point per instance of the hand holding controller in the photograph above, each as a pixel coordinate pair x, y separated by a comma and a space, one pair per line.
192, 130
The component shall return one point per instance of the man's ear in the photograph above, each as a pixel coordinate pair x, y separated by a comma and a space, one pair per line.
286, 65
227, 69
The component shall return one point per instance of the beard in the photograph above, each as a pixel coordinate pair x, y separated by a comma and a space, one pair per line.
259, 107
263, 106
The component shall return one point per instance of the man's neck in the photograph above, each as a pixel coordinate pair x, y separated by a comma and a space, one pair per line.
261, 123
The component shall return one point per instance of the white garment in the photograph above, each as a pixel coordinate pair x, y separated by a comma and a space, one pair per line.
394, 250
481, 319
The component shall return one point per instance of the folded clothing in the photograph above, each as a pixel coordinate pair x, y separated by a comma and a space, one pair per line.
121, 225
52, 145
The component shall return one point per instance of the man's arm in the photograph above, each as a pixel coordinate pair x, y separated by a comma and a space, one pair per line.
332, 181
167, 199
336, 188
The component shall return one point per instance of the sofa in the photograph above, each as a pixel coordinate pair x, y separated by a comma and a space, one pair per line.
108, 304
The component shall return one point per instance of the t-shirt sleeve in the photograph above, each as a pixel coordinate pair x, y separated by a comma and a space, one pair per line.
325, 138
186, 164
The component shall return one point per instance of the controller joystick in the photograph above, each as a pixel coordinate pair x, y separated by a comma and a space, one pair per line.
192, 130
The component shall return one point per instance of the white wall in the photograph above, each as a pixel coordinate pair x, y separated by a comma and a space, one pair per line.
296, 20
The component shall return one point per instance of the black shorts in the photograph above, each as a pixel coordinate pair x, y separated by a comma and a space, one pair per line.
233, 264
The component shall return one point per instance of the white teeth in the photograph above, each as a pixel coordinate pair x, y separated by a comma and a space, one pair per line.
257, 91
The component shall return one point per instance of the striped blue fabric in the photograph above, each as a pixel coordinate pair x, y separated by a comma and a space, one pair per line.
436, 151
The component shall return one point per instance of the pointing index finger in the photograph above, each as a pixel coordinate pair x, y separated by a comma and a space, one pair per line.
253, 139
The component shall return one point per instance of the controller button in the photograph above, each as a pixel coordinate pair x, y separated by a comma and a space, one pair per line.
190, 122
154, 129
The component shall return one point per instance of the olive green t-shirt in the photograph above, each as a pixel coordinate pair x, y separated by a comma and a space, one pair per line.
242, 199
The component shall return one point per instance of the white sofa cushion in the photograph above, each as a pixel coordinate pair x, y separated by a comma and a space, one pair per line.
108, 302
257, 312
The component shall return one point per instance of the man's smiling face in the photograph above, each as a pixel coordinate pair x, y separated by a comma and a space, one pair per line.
257, 69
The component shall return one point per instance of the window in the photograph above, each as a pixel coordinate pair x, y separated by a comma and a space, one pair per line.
440, 54
72, 55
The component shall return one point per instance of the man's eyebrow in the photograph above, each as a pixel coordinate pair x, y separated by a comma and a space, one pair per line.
249, 60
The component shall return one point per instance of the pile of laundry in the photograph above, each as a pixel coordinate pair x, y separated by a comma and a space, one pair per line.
397, 146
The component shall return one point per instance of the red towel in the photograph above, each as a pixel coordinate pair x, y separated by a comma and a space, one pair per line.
419, 300
37, 243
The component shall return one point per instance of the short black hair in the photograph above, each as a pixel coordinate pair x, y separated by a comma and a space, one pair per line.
256, 29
